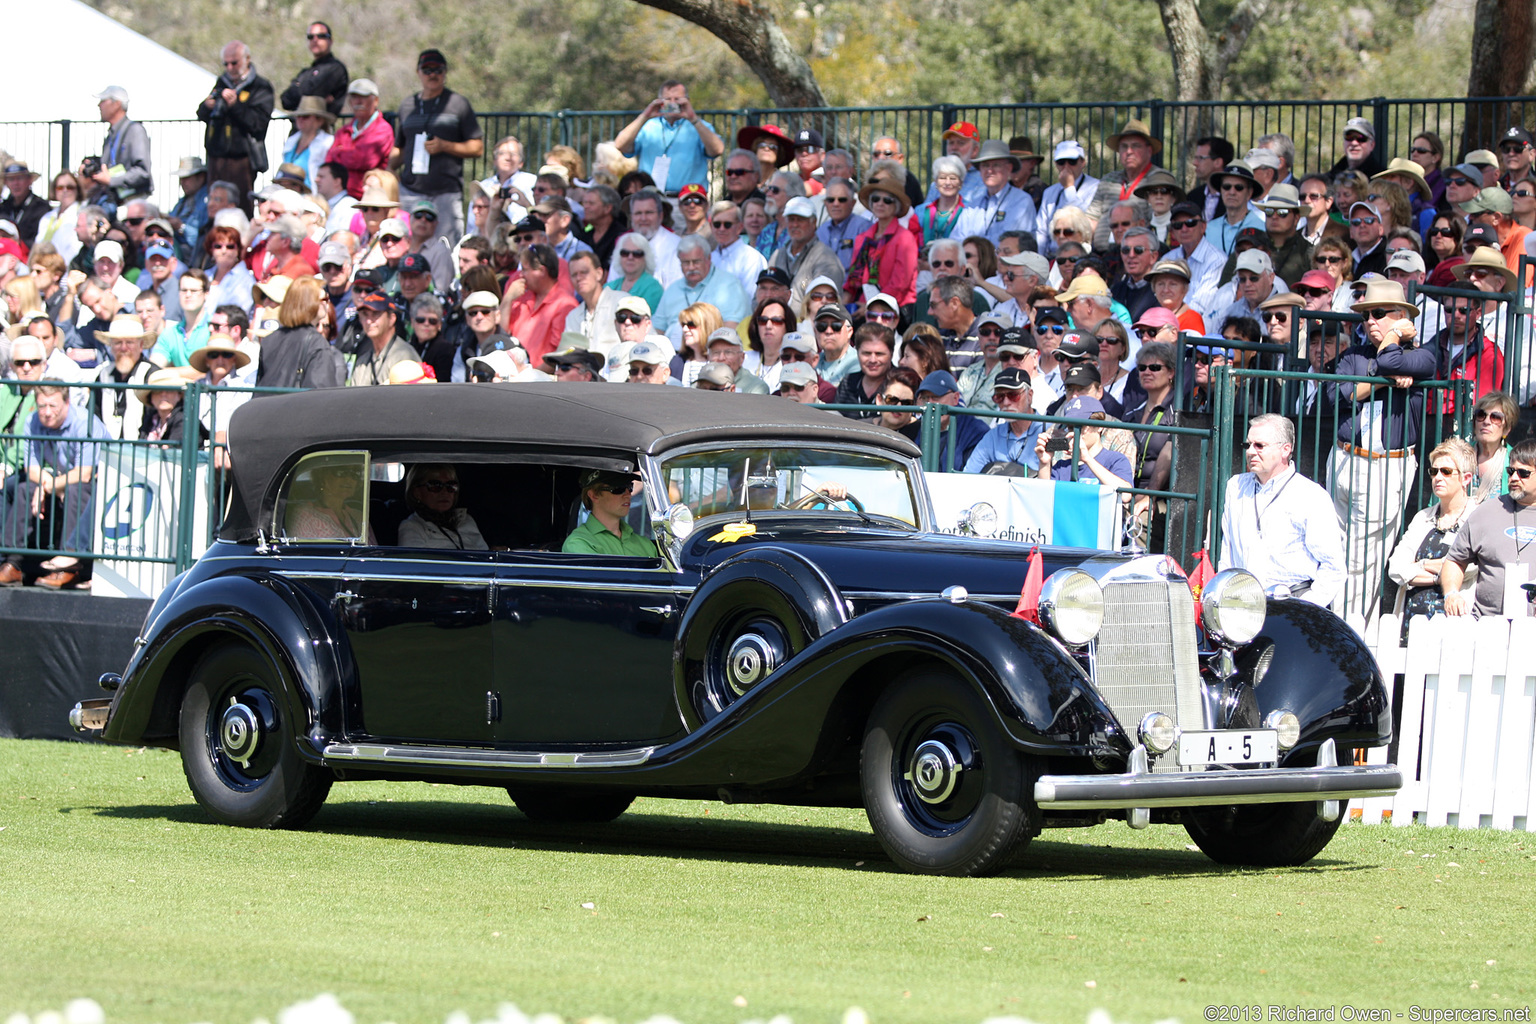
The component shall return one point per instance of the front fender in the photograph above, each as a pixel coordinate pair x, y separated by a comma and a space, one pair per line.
283, 621
793, 722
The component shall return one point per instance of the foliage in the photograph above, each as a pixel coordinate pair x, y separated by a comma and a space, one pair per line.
408, 901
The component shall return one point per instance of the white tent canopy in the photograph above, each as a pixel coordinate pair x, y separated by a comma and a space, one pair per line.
162, 87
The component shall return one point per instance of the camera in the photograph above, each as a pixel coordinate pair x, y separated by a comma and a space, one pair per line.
504, 193
670, 108
1059, 441
90, 166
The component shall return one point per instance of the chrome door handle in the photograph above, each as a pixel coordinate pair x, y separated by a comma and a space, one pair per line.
345, 595
664, 610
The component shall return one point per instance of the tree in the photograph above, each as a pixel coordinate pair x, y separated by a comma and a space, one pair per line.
1200, 62
1502, 49
748, 27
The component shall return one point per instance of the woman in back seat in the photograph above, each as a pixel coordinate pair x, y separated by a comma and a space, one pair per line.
432, 495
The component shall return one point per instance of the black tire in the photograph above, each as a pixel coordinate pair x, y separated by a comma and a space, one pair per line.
568, 803
1261, 835
237, 744
970, 821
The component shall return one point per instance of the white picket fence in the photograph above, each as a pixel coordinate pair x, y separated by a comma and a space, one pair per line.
1468, 722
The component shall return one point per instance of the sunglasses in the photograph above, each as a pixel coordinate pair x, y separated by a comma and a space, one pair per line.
1062, 232
433, 69
1201, 359
1248, 278
1313, 197
790, 355
1147, 332
427, 320
1512, 148
440, 486
1011, 357
1120, 225
1270, 316
133, 222
520, 239
1464, 182
1354, 137
631, 254
1133, 250
317, 35
1234, 186
1159, 190
1313, 293
1056, 329
1485, 414
626, 317
1328, 259
1069, 260
895, 400
639, 371
692, 201
721, 225
1480, 274
881, 200
26, 362
738, 172
1523, 474
837, 199
1185, 225
216, 246
1443, 471
1151, 367
479, 312
883, 154
617, 489
426, 214
1381, 313
1421, 151
1442, 233
770, 320
219, 355
989, 332
943, 263
1355, 222
772, 188
1523, 194
833, 326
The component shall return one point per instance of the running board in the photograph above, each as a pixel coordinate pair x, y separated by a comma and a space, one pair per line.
460, 757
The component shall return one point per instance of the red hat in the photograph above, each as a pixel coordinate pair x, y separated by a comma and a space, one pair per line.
1316, 279
964, 129
10, 247
752, 136
692, 189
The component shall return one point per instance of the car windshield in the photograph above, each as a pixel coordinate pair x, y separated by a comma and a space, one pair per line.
819, 480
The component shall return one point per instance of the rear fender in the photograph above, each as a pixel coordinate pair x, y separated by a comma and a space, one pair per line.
284, 622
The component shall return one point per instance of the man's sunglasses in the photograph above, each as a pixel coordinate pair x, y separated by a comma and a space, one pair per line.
440, 486
626, 317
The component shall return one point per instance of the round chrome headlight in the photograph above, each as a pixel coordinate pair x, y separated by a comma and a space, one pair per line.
1157, 733
1232, 607
1287, 728
1072, 606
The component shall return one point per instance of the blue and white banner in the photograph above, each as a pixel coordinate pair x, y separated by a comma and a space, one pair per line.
137, 493
1026, 510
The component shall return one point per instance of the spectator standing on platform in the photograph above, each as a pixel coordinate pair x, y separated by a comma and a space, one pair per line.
437, 131
1498, 540
237, 112
325, 78
672, 143
363, 143
536, 318
1074, 187
1279, 525
124, 152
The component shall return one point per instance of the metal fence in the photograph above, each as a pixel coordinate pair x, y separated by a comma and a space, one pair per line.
1315, 126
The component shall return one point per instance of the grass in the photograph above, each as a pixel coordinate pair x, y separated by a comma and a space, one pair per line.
409, 901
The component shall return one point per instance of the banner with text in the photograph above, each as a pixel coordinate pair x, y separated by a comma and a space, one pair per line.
1026, 510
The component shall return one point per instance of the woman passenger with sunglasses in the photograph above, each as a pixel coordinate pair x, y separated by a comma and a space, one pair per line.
432, 495
1416, 561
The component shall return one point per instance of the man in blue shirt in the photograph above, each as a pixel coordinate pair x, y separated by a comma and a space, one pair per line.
940, 388
1001, 206
701, 282
50, 503
1011, 442
672, 143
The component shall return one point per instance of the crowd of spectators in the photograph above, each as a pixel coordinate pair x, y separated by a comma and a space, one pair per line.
782, 265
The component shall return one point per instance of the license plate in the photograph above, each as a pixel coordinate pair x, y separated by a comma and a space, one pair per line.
1229, 747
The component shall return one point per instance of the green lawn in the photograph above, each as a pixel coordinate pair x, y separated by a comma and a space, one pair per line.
410, 901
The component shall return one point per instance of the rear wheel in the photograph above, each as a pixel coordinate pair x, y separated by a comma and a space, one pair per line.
237, 744
945, 791
568, 803
1261, 835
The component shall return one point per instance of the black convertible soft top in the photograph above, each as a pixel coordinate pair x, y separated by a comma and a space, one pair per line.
267, 433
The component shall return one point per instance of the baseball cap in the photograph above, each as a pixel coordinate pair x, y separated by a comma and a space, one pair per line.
333, 254
1083, 284
107, 249
1075, 345
1252, 236
1490, 200
481, 300
963, 129
725, 334
1017, 341
1051, 314
1185, 208
532, 222
605, 477
1010, 379
632, 304
159, 249
778, 276
424, 206
1361, 125
834, 311
114, 92
690, 189
717, 374
1157, 316
646, 352
1000, 322
414, 263
799, 206
1170, 268
1482, 158
798, 373
1406, 260
809, 137
1030, 261
394, 227
498, 361
1471, 172
1262, 158
1481, 234
939, 383
1516, 134
1080, 375
820, 282
362, 87
375, 301
1316, 279
797, 342
1069, 150
1257, 261
1082, 407
431, 55
885, 299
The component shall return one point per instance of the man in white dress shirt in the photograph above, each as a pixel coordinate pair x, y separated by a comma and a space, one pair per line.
1186, 230
1074, 187
645, 208
1279, 525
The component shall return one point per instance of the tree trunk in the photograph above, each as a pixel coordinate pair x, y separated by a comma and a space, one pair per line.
1200, 62
748, 28
1503, 33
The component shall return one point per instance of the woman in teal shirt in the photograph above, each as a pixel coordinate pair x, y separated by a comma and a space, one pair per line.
635, 263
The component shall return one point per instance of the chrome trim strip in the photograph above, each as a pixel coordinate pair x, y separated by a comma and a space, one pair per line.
459, 757
486, 581
1203, 789
919, 595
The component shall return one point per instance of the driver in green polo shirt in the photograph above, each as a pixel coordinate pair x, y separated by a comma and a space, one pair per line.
606, 495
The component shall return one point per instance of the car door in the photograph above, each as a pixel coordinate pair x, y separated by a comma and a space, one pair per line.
584, 649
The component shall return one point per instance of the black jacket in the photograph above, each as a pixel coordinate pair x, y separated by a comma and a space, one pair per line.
299, 357
326, 78
26, 215
239, 129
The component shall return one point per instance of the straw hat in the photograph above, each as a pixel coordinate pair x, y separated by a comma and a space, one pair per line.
374, 196
1484, 257
1159, 178
312, 106
198, 360
161, 380
274, 288
1135, 126
890, 188
1408, 169
408, 371
124, 328
1384, 294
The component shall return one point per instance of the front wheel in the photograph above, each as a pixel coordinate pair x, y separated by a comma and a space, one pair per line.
237, 744
945, 791
1261, 835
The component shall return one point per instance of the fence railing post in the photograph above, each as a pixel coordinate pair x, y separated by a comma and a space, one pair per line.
1156, 117
1381, 117
186, 497
64, 129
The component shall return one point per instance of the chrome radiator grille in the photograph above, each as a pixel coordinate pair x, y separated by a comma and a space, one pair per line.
1145, 657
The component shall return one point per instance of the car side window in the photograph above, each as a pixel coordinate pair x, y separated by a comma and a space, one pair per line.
325, 499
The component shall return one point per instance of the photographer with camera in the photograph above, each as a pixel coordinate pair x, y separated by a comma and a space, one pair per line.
122, 171
672, 143
436, 133
237, 113
1095, 462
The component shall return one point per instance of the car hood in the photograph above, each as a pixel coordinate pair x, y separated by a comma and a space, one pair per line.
862, 560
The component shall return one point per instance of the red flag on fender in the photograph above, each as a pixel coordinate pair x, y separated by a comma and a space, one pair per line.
1201, 575
1029, 597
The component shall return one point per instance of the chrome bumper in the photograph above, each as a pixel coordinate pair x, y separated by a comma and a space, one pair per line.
1140, 788
90, 716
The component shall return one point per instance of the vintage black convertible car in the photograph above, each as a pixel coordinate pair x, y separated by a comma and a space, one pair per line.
799, 634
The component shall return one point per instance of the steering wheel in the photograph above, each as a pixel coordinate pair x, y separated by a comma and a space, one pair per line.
816, 501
